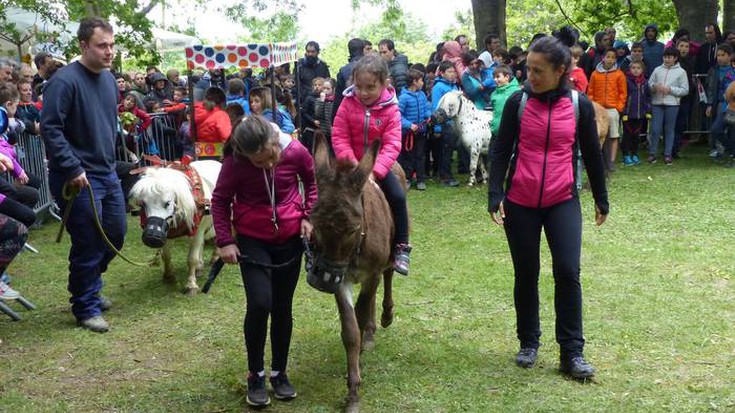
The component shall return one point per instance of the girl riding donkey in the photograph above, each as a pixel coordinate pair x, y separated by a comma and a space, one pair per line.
370, 112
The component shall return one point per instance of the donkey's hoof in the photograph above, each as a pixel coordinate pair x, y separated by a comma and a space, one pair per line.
386, 319
352, 406
190, 291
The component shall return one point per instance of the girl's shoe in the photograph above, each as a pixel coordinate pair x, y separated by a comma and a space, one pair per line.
628, 161
7, 293
635, 160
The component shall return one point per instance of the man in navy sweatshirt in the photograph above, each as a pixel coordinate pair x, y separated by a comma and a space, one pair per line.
79, 126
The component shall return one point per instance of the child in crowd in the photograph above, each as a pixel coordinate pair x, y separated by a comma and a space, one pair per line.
429, 77
577, 77
237, 93
686, 61
608, 87
669, 84
261, 103
415, 115
212, 122
139, 121
309, 121
28, 111
502, 57
16, 201
636, 113
507, 86
477, 84
718, 80
636, 53
443, 84
324, 109
370, 103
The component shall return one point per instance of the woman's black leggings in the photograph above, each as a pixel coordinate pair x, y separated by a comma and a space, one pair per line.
396, 197
562, 224
269, 292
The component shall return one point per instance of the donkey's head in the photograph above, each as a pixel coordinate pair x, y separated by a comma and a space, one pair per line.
165, 198
337, 215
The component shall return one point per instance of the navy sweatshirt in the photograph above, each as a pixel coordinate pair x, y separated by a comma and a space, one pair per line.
79, 121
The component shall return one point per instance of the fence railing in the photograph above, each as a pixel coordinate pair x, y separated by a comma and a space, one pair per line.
32, 157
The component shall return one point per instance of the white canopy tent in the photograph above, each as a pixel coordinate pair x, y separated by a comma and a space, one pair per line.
30, 24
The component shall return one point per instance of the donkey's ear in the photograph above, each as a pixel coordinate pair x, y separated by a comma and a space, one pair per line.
365, 167
322, 157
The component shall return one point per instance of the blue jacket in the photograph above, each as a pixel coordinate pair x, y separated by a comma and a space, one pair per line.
283, 120
241, 100
639, 98
414, 108
478, 90
441, 88
653, 52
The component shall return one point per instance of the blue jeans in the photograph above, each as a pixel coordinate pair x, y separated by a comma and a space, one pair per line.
89, 254
719, 134
663, 117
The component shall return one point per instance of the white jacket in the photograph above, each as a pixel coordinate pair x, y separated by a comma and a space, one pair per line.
674, 77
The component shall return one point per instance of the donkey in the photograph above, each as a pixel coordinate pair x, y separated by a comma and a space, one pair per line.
353, 230
472, 126
169, 209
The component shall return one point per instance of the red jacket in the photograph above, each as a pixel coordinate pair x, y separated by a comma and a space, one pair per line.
381, 121
212, 125
140, 114
241, 198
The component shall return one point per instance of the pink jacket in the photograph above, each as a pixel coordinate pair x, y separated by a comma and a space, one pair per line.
241, 198
544, 173
380, 121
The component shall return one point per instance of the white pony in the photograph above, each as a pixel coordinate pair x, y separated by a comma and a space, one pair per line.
472, 126
166, 197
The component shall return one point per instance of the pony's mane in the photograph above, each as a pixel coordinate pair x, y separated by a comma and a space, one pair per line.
158, 181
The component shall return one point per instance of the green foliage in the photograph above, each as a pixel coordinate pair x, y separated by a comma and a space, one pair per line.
281, 24
464, 23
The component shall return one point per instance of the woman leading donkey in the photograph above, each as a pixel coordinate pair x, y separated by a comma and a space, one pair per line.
257, 193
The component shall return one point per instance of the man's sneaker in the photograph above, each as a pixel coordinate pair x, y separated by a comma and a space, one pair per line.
635, 160
628, 161
668, 160
450, 183
282, 388
257, 394
714, 153
421, 186
526, 357
652, 159
576, 368
96, 324
402, 258
7, 293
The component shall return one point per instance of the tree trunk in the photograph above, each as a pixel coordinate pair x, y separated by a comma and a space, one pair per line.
489, 16
728, 15
695, 14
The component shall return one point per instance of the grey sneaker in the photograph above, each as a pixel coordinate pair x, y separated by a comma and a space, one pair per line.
105, 303
421, 186
282, 388
257, 394
526, 357
7, 293
96, 324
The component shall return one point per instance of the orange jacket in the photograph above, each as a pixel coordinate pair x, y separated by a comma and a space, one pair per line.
608, 88
212, 126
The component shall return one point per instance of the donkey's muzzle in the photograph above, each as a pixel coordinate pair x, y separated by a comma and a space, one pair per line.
155, 232
325, 275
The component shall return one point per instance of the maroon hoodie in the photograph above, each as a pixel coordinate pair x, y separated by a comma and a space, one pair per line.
241, 193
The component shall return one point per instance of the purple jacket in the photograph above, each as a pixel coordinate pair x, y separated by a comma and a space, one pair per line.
241, 198
639, 97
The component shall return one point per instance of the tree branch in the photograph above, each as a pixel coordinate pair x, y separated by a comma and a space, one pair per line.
147, 9
561, 9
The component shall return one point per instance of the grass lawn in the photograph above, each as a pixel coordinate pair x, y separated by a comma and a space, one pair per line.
659, 318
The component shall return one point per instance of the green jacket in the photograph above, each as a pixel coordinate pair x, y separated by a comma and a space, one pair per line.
498, 99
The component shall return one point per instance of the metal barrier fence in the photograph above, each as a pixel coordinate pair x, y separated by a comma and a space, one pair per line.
163, 138
31, 155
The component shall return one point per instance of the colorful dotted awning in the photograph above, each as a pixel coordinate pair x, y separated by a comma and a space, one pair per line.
248, 55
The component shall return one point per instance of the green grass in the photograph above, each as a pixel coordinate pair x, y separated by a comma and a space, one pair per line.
658, 297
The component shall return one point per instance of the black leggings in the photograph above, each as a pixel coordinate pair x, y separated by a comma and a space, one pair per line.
396, 197
632, 129
269, 292
562, 224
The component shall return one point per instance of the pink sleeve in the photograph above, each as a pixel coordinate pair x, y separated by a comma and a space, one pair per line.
390, 144
341, 139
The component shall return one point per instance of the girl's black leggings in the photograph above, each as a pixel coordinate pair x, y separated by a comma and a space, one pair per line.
396, 197
269, 292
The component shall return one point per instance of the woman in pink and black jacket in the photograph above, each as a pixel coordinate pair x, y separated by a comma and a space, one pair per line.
257, 193
537, 153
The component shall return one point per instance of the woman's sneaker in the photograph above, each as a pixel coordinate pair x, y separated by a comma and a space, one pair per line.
282, 388
257, 394
526, 357
7, 293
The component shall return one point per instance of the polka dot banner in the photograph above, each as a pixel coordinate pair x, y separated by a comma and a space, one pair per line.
241, 56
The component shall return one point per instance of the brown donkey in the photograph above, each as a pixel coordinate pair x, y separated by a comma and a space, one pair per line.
353, 228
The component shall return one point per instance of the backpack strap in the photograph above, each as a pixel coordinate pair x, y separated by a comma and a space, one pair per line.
522, 106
